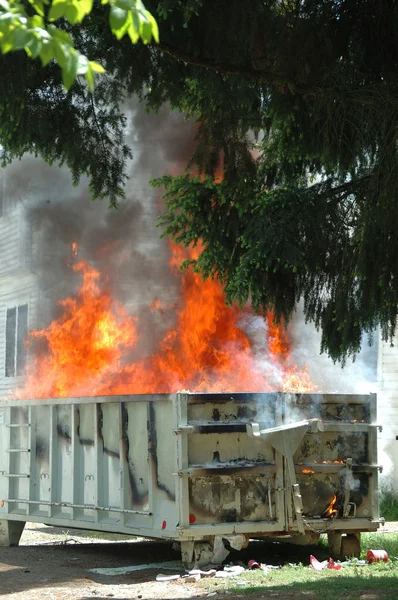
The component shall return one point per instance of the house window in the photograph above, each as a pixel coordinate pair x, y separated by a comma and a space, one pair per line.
16, 334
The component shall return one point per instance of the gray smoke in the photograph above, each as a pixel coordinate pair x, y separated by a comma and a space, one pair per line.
358, 376
124, 244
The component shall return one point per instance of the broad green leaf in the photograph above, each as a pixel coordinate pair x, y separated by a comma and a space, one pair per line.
97, 67
90, 78
7, 45
72, 13
47, 41
58, 9
7, 17
125, 4
33, 47
19, 38
155, 28
61, 36
118, 21
46, 53
61, 52
133, 34
86, 6
146, 32
36, 21
38, 5
69, 71
136, 17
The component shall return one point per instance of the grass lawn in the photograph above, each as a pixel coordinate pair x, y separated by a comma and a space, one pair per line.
356, 582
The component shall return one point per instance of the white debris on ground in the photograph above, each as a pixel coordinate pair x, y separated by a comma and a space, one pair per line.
228, 572
172, 565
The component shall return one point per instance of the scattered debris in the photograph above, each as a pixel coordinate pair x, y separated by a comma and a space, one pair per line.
325, 564
226, 574
162, 577
209, 573
191, 578
172, 565
235, 569
377, 556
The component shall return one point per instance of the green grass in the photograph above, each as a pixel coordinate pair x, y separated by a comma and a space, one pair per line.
370, 582
372, 541
350, 583
389, 504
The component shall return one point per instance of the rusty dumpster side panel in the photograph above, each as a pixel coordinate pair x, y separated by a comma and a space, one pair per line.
183, 466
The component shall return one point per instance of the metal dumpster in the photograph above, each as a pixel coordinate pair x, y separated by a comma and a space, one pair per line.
207, 470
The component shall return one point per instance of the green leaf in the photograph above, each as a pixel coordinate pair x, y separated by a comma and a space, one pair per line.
58, 9
72, 14
46, 53
19, 38
124, 4
86, 6
155, 28
33, 48
97, 67
118, 21
146, 32
90, 78
61, 53
70, 69
38, 5
133, 33
59, 35
36, 22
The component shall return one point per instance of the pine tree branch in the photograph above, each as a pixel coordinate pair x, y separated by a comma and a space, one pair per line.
230, 69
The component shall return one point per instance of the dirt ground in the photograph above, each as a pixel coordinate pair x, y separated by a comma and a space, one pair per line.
53, 563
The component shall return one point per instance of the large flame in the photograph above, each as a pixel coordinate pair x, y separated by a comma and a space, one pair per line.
86, 351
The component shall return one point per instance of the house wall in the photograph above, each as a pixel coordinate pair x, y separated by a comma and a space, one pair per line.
387, 410
18, 281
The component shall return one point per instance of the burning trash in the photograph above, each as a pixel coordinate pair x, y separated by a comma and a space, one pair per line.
86, 351
332, 510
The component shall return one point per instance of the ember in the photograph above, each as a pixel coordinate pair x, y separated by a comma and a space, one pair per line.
86, 350
331, 511
307, 471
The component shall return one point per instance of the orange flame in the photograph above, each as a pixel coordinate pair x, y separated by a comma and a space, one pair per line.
331, 510
295, 379
307, 471
86, 343
87, 351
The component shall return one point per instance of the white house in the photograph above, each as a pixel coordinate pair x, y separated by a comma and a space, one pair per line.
19, 297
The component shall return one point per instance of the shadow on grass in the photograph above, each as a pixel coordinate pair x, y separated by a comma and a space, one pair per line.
327, 586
